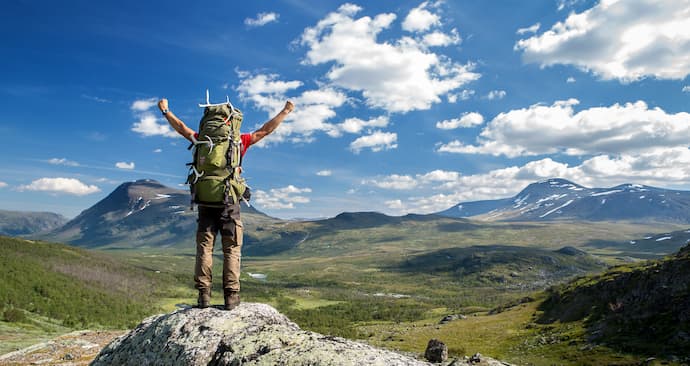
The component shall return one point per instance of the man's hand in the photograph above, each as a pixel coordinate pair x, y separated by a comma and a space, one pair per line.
163, 104
289, 107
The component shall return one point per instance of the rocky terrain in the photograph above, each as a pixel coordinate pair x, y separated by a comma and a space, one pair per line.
251, 334
640, 308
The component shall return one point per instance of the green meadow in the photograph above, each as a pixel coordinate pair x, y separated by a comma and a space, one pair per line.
385, 283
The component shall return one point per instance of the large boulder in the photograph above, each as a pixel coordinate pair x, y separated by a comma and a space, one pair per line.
251, 334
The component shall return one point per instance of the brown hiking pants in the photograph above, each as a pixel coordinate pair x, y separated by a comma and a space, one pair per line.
211, 221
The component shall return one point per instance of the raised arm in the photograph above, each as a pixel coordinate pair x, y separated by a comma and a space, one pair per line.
175, 122
272, 124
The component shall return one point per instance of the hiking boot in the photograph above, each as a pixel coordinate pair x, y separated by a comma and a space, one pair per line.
204, 299
232, 299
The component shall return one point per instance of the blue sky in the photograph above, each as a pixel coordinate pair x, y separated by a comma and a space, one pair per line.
403, 106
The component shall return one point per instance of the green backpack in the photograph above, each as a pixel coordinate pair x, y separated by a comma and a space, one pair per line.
214, 177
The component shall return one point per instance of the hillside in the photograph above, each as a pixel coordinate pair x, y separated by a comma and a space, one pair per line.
72, 287
144, 213
639, 308
504, 266
13, 223
559, 199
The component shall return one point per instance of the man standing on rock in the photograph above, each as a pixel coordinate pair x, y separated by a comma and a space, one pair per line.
225, 219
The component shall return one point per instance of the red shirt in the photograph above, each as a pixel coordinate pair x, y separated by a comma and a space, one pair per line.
245, 137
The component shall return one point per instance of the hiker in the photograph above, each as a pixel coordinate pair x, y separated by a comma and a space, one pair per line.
223, 213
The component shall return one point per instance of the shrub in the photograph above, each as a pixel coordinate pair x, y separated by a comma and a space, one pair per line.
13, 315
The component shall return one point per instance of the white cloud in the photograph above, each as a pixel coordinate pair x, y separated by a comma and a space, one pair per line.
282, 198
531, 29
466, 120
324, 173
143, 105
686, 89
661, 167
440, 39
356, 125
396, 75
420, 19
60, 185
158, 150
542, 129
313, 108
394, 181
124, 165
570, 79
377, 141
463, 95
407, 182
624, 40
149, 125
394, 204
3, 184
62, 161
496, 94
262, 19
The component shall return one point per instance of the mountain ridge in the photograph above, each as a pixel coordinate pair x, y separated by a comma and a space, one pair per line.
15, 223
559, 199
140, 213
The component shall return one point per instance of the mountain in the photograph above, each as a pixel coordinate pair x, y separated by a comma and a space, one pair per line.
136, 214
558, 199
13, 223
636, 308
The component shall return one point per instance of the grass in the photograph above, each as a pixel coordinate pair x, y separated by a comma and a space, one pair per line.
350, 282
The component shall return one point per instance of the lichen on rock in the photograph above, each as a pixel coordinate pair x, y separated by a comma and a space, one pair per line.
251, 334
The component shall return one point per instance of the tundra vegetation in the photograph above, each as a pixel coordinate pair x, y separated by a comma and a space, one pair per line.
388, 283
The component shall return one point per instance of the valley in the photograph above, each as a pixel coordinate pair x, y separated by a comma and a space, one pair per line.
384, 280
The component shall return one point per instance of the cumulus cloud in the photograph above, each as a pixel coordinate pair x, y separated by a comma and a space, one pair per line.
440, 39
377, 141
324, 173
396, 75
262, 19
420, 19
570, 79
282, 198
124, 165
62, 161
686, 89
356, 125
408, 182
660, 167
3, 184
463, 95
531, 29
143, 104
60, 185
314, 107
466, 120
623, 40
496, 94
557, 128
150, 125
158, 150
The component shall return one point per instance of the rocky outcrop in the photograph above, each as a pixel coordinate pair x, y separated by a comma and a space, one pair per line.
251, 334
639, 308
